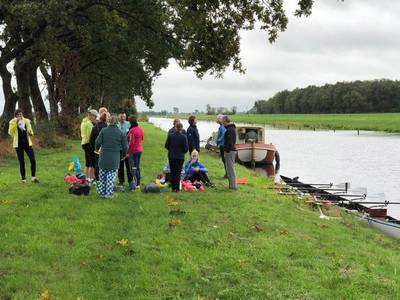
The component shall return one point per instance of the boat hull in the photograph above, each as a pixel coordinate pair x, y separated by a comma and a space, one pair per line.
255, 152
389, 228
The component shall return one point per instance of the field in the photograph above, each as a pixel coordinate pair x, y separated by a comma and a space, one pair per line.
389, 122
250, 244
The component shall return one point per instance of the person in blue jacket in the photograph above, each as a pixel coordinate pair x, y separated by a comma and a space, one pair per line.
221, 140
193, 135
195, 170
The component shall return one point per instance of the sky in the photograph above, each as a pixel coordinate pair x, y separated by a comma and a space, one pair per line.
340, 41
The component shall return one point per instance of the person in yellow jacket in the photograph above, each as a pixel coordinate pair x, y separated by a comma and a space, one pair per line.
20, 129
86, 130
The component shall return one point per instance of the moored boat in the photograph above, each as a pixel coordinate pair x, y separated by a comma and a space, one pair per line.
250, 145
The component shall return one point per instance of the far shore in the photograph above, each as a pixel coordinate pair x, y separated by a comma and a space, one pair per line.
388, 122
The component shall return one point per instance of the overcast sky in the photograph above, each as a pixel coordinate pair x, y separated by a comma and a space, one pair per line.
357, 39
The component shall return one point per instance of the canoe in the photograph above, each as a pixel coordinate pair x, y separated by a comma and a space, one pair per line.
375, 217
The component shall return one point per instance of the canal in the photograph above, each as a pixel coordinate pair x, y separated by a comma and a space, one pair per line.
366, 159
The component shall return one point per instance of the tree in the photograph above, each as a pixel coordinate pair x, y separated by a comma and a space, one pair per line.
342, 97
94, 52
176, 110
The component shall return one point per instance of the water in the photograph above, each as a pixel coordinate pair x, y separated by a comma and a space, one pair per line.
370, 159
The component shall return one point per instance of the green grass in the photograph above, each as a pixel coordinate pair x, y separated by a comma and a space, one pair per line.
389, 122
50, 240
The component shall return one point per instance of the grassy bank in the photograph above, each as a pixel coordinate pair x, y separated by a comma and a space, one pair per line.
389, 122
215, 244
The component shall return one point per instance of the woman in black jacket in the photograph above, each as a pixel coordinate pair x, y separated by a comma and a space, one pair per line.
193, 136
177, 146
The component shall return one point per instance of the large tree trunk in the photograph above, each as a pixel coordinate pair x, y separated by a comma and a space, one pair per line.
22, 75
53, 99
36, 96
10, 101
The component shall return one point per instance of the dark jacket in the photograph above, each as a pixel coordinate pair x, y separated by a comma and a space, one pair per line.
95, 133
193, 137
113, 145
177, 145
230, 138
173, 129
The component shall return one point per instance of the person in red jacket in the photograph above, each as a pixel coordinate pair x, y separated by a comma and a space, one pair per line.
135, 148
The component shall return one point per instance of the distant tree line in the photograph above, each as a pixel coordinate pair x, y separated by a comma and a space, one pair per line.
221, 110
343, 97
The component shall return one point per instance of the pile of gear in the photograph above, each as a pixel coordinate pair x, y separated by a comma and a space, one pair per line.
78, 183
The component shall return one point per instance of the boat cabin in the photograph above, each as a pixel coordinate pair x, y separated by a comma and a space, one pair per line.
248, 134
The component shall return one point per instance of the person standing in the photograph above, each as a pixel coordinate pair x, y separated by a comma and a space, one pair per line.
123, 126
135, 149
230, 151
86, 130
20, 129
193, 136
173, 128
177, 146
93, 136
221, 140
112, 143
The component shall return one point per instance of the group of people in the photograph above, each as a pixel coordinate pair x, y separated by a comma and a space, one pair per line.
179, 142
111, 145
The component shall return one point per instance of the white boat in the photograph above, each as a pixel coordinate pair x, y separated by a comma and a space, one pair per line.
250, 146
389, 228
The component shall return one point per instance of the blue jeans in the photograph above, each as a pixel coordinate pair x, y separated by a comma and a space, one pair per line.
136, 172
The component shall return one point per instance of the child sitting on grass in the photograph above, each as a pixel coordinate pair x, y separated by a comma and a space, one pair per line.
195, 170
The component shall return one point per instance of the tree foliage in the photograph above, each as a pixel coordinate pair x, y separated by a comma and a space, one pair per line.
342, 97
99, 52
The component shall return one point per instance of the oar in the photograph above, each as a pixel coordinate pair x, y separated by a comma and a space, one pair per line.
313, 184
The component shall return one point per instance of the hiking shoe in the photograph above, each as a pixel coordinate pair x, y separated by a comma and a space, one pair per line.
118, 188
35, 180
132, 186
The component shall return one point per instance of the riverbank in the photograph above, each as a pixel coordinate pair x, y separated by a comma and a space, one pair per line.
215, 244
389, 122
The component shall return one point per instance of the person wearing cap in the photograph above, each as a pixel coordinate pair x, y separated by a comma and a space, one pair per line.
124, 126
112, 143
86, 130
20, 129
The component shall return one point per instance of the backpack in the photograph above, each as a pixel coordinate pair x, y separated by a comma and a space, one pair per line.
151, 188
79, 189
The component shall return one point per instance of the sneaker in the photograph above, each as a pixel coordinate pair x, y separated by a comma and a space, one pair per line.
118, 188
108, 196
132, 186
23, 180
35, 180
